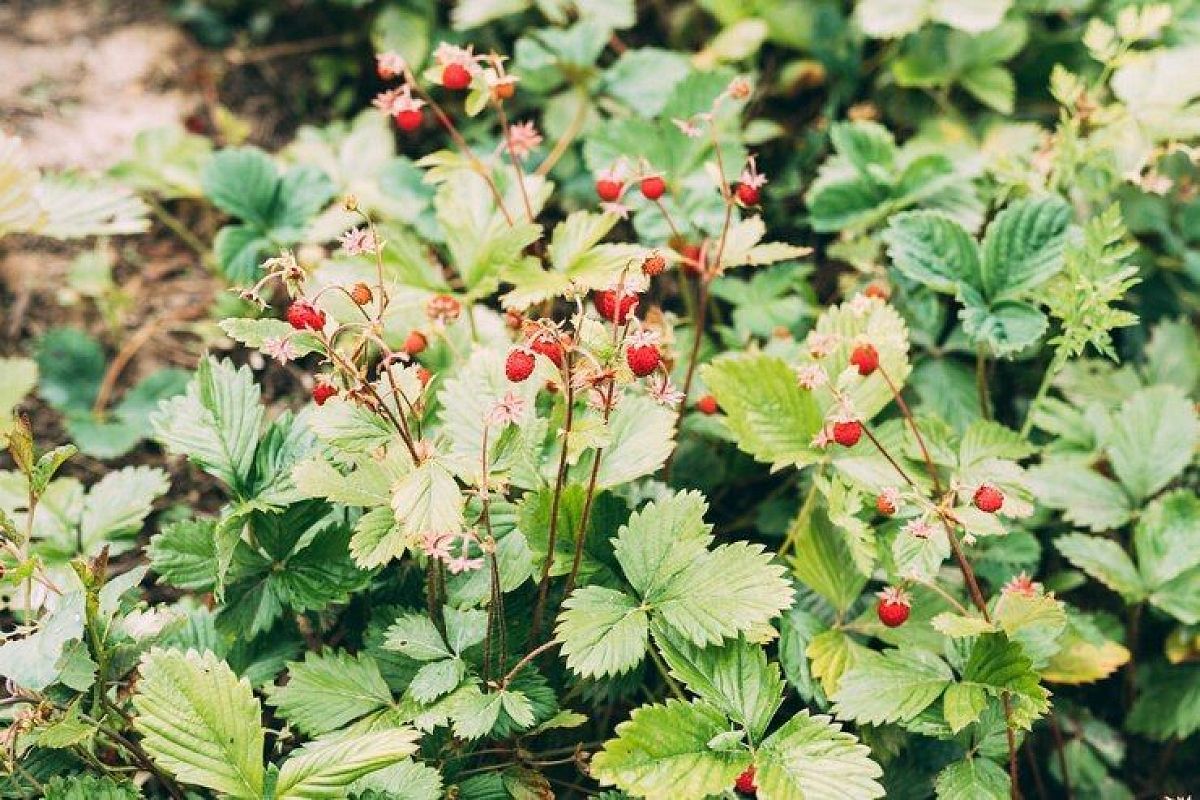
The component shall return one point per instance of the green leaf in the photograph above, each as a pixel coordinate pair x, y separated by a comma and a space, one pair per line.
329, 690
185, 554
1007, 326
1151, 439
1168, 705
867, 146
661, 752
991, 85
36, 661
428, 500
813, 758
894, 686
603, 632
239, 250
200, 723
350, 428
215, 423
89, 787
326, 767
1036, 622
243, 182
769, 415
1172, 355
1085, 497
1168, 559
823, 561
1105, 561
475, 714
119, 503
641, 436
72, 366
661, 540
962, 704
933, 250
20, 377
415, 635
999, 665
643, 78
1024, 245
973, 779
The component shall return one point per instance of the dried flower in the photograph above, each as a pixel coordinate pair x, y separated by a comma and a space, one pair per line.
358, 241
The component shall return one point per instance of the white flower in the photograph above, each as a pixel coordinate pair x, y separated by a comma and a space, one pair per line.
810, 376
280, 348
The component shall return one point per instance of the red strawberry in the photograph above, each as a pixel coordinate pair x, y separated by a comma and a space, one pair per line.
609, 189
423, 375
884, 505
606, 303
642, 359
894, 607
988, 499
866, 358
322, 391
707, 404
547, 345
303, 315
415, 343
653, 187
519, 364
456, 77
691, 257
409, 120
745, 782
654, 265
747, 194
847, 434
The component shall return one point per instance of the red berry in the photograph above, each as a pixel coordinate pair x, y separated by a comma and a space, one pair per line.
884, 506
866, 358
423, 375
642, 359
654, 265
609, 189
747, 194
361, 294
415, 343
892, 613
410, 120
653, 187
547, 345
847, 434
707, 404
519, 364
691, 257
745, 782
322, 391
302, 315
988, 499
456, 77
606, 303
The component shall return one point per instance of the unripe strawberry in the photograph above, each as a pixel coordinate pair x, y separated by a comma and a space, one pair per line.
456, 77
866, 358
605, 301
745, 782
654, 265
642, 359
988, 499
504, 91
707, 404
609, 189
877, 290
847, 434
884, 505
409, 120
423, 375
546, 345
360, 293
894, 607
322, 391
303, 315
519, 364
415, 343
653, 187
747, 194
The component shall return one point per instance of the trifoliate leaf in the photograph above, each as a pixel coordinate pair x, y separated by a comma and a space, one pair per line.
329, 690
813, 758
603, 632
999, 665
1151, 439
1105, 561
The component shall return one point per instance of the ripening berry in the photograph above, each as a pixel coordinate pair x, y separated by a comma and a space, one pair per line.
884, 505
456, 77
866, 358
877, 290
847, 434
504, 90
360, 293
894, 607
692, 253
443, 308
745, 782
609, 189
642, 359
409, 120
605, 301
707, 404
415, 343
546, 345
653, 187
519, 364
303, 315
423, 375
747, 194
322, 391
988, 499
654, 265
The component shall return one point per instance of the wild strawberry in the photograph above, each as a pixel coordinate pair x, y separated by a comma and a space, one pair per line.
866, 358
605, 301
504, 90
654, 265
642, 358
303, 315
322, 391
409, 119
692, 253
456, 77
707, 404
519, 364
415, 343
894, 607
745, 782
547, 345
360, 293
877, 290
653, 187
885, 505
988, 499
847, 433
747, 194
423, 375
609, 188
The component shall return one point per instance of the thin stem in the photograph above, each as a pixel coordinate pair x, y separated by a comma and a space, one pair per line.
949, 598
693, 356
526, 660
663, 670
912, 424
981, 383
1059, 749
559, 482
572, 131
1056, 364
512, 155
176, 227
581, 535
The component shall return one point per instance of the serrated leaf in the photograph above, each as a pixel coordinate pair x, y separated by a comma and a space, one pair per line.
603, 632
1084, 654
934, 250
326, 767
329, 690
1105, 561
1151, 439
1085, 497
832, 653
999, 665
1023, 246
1168, 707
896, 685
823, 561
185, 554
972, 779
962, 704
813, 758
